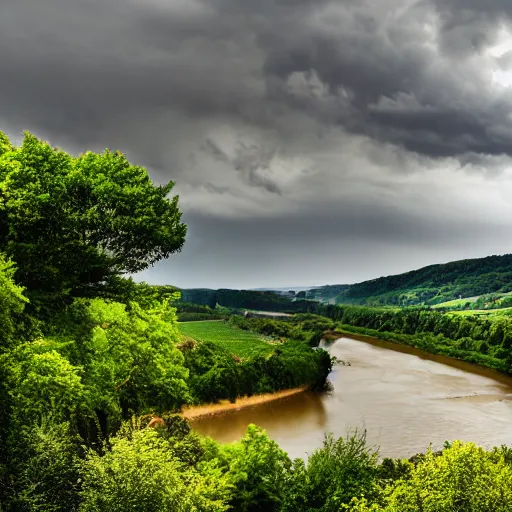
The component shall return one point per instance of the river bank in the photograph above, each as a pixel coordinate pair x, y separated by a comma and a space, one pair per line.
427, 344
206, 410
404, 398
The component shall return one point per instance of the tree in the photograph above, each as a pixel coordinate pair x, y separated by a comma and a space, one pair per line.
464, 478
72, 223
140, 474
46, 478
129, 356
12, 302
43, 400
258, 469
342, 469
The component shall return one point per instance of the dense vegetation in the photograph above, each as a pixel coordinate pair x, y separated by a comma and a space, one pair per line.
429, 285
189, 312
258, 366
93, 367
88, 357
246, 299
480, 339
304, 327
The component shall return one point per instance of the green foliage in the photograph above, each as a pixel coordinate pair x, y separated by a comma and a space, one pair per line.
129, 356
42, 383
305, 327
12, 302
218, 373
140, 474
429, 285
214, 373
126, 290
188, 312
43, 398
259, 471
70, 223
464, 478
342, 469
45, 475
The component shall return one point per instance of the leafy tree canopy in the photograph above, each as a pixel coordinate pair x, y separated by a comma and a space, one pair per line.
72, 222
141, 474
464, 478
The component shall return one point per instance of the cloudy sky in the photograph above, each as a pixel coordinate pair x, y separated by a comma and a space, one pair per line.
311, 141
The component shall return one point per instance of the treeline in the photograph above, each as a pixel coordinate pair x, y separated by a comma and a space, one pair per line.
246, 299
189, 312
308, 328
429, 285
485, 340
216, 374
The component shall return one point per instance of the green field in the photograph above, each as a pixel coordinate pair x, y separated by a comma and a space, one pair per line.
241, 343
482, 312
454, 303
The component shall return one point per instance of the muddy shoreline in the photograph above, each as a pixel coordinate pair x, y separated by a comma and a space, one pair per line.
206, 410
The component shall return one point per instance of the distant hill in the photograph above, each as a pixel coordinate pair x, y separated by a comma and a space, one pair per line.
327, 293
429, 285
247, 299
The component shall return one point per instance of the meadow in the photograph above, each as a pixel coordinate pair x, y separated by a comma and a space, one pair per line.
237, 341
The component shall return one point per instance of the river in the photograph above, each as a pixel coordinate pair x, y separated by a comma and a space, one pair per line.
404, 398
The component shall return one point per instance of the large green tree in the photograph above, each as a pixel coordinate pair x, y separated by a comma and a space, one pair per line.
73, 223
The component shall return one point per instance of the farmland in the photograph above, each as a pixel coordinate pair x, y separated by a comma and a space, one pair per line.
237, 341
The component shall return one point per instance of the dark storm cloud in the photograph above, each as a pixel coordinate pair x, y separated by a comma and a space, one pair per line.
378, 61
90, 68
337, 253
285, 123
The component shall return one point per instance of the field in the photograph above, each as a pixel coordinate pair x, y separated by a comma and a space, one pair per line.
454, 303
494, 299
482, 312
241, 343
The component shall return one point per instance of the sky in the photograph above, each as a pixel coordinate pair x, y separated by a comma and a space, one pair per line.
311, 141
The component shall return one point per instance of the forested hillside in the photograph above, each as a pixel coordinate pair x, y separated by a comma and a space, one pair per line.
429, 285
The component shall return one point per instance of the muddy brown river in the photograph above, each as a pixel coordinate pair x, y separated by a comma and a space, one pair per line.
404, 398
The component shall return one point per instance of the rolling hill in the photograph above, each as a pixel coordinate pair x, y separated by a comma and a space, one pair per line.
429, 285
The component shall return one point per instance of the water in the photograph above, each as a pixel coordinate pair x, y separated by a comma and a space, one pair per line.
404, 398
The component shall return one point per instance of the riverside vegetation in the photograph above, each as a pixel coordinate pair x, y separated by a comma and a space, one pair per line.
88, 358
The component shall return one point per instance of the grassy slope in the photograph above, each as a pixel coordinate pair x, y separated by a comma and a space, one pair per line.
239, 342
480, 312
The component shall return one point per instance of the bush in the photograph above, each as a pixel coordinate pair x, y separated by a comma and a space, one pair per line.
341, 469
141, 475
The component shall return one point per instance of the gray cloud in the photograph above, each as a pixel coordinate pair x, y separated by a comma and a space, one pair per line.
288, 125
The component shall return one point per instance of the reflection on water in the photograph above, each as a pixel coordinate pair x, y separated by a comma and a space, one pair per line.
290, 421
404, 398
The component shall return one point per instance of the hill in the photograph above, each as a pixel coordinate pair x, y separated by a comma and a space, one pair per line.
246, 299
430, 285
